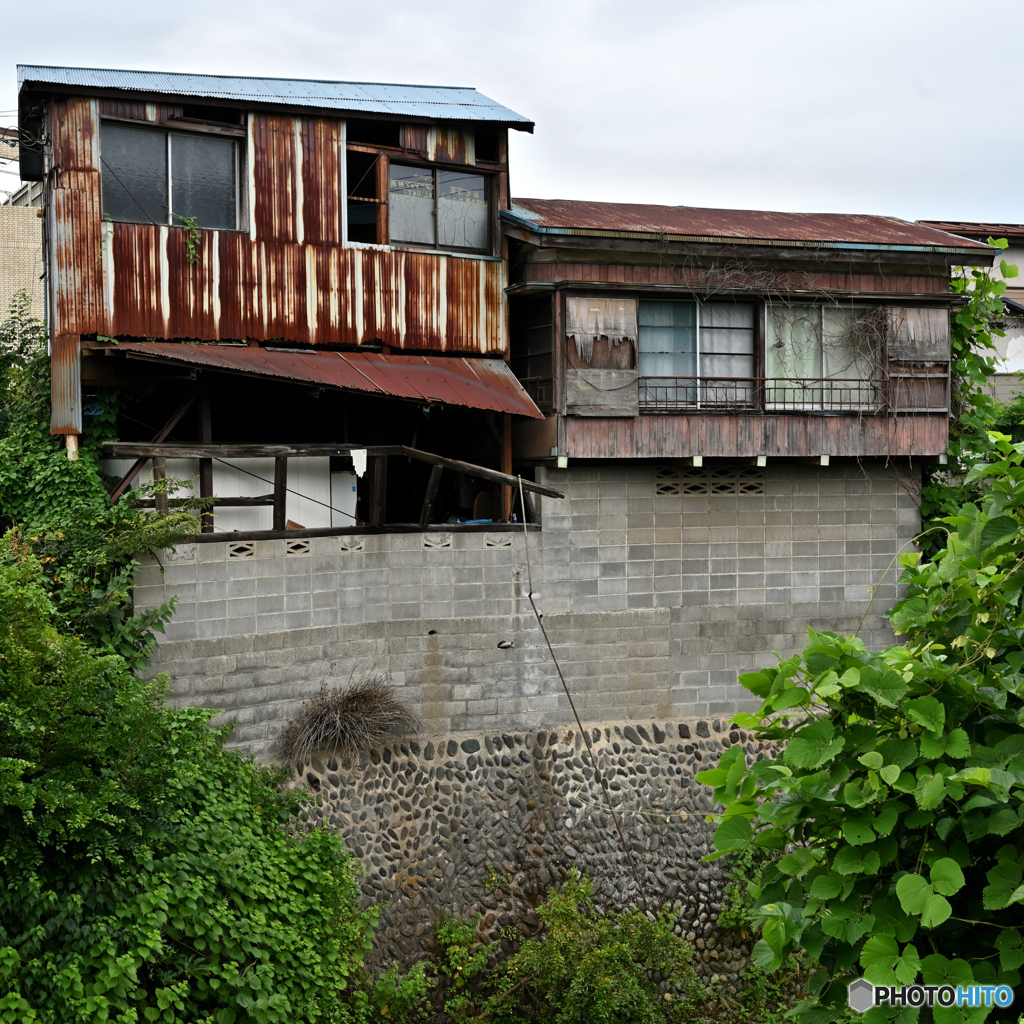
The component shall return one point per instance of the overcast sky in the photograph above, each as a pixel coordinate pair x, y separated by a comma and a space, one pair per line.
900, 107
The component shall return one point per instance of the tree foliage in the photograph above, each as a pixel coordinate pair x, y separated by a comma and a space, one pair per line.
899, 786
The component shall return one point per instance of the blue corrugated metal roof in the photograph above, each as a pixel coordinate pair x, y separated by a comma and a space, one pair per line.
439, 102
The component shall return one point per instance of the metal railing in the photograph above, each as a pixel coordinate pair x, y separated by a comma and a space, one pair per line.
772, 394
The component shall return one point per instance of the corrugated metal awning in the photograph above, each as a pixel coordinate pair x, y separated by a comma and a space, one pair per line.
474, 383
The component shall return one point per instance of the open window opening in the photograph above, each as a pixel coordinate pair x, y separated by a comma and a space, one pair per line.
364, 200
374, 133
487, 147
149, 176
531, 330
213, 115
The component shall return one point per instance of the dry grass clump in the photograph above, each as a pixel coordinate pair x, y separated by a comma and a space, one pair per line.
345, 720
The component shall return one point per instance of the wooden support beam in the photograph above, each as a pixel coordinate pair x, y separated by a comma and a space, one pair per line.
206, 465
249, 451
280, 491
431, 496
160, 473
258, 500
126, 480
506, 465
378, 490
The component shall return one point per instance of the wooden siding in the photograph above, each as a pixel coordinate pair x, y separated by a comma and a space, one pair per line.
747, 436
758, 280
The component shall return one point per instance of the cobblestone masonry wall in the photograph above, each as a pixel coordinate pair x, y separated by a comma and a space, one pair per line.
657, 588
485, 824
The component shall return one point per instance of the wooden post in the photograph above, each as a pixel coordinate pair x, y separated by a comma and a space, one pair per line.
379, 491
206, 465
160, 473
431, 496
383, 188
506, 465
280, 491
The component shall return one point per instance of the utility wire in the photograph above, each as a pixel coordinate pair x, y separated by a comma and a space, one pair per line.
572, 704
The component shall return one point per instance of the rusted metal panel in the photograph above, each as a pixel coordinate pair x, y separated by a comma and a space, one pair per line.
747, 436
474, 383
564, 216
450, 145
275, 167
414, 137
65, 385
77, 230
323, 155
979, 231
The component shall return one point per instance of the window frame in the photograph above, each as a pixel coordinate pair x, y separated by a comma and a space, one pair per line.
237, 138
489, 177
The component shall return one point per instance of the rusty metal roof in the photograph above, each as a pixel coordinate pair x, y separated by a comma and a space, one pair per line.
976, 230
435, 102
759, 227
474, 383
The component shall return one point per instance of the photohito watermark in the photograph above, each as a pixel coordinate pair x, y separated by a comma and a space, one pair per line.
864, 996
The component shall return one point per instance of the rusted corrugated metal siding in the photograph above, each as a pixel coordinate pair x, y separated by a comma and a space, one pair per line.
323, 156
65, 385
746, 436
273, 288
76, 225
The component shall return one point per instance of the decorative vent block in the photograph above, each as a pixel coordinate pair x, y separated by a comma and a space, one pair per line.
667, 481
241, 550
437, 540
353, 543
296, 547
498, 540
723, 480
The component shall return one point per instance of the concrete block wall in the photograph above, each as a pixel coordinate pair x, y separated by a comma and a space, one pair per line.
654, 601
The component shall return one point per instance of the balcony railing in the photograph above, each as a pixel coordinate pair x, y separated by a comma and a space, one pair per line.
772, 394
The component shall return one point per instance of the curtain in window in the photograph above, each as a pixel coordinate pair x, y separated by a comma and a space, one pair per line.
587, 319
726, 353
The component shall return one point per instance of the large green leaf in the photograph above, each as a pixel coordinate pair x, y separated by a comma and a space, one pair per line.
852, 860
813, 745
946, 876
884, 962
888, 688
732, 834
927, 712
827, 887
996, 531
1003, 880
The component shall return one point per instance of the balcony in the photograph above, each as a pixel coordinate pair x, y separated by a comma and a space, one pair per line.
772, 394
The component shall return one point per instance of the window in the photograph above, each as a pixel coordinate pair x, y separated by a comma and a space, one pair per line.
820, 356
156, 177
446, 209
699, 354
364, 204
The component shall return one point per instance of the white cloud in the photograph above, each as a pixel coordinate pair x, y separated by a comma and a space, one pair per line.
880, 106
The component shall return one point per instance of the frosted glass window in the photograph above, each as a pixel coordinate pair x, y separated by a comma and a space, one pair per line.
667, 344
133, 174
203, 180
727, 339
461, 210
793, 356
850, 344
411, 206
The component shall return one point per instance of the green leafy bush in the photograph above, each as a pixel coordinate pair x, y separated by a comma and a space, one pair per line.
594, 968
901, 776
148, 874
459, 961
88, 548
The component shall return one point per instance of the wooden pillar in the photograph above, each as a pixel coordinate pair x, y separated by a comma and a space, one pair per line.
431, 496
378, 490
159, 475
381, 170
280, 491
206, 465
506, 466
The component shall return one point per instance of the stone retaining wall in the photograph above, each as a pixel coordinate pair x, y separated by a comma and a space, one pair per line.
485, 824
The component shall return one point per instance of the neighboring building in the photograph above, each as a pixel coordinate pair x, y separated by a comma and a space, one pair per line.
1006, 382
722, 417
21, 239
